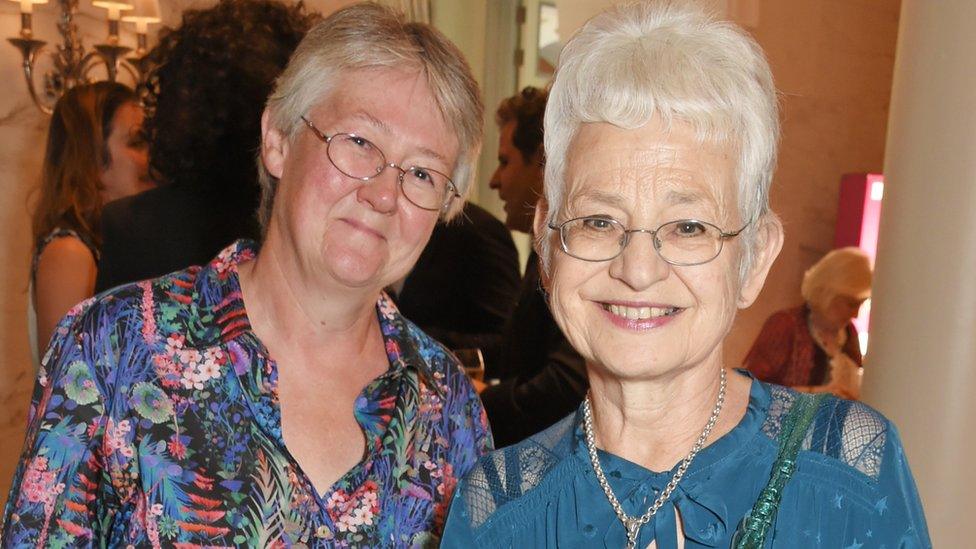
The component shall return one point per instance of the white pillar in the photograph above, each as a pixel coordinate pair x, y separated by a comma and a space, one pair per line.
921, 366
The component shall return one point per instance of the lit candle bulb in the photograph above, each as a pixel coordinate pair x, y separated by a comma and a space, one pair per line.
26, 8
144, 13
115, 9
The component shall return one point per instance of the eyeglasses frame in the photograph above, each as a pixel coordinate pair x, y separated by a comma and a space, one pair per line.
723, 236
452, 191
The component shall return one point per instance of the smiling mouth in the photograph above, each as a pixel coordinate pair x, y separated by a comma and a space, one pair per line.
640, 313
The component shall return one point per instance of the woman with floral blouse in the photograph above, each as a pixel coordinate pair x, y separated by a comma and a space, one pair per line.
276, 397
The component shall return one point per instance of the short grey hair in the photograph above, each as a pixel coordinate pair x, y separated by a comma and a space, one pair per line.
671, 59
368, 36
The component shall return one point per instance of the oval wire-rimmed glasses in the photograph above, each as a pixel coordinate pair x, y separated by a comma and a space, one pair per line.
682, 242
358, 158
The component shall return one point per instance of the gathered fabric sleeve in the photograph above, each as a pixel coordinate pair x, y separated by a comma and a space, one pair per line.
862, 497
898, 504
58, 496
769, 357
458, 532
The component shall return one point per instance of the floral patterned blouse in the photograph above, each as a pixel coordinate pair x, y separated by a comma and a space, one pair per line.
155, 422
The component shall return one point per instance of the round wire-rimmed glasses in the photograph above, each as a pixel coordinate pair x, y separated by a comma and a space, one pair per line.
358, 158
682, 242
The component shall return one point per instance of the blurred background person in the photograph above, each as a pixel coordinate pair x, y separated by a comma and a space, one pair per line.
541, 378
96, 152
211, 77
464, 286
814, 347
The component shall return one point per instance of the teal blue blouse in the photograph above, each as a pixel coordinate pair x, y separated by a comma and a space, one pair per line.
852, 487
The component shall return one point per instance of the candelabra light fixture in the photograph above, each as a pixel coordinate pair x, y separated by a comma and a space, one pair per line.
72, 63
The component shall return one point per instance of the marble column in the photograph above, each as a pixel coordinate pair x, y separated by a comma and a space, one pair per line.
921, 366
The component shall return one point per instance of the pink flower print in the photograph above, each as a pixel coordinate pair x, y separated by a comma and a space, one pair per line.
115, 438
167, 371
392, 348
189, 379
448, 480
387, 309
350, 512
38, 481
226, 260
152, 526
41, 486
215, 354
80, 306
209, 370
190, 357
174, 343
148, 312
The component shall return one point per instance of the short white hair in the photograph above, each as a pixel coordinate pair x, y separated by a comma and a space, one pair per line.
368, 36
670, 59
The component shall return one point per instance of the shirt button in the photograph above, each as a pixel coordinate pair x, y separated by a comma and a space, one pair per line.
323, 532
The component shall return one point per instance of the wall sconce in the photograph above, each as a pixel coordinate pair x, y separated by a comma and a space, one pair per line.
72, 64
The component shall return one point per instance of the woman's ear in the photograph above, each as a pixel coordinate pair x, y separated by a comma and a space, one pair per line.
274, 147
540, 231
769, 242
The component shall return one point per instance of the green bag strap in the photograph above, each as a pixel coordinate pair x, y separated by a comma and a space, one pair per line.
752, 531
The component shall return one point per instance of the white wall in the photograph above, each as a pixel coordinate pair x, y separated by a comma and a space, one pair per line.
920, 370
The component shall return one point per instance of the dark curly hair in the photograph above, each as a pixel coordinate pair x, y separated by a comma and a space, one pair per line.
526, 108
207, 90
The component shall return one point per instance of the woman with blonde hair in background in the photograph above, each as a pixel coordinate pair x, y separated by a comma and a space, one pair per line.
814, 347
96, 153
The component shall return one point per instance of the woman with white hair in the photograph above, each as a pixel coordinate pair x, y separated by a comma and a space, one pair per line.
815, 347
275, 397
660, 135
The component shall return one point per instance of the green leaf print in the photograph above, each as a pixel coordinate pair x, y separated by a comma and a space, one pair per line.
79, 385
150, 402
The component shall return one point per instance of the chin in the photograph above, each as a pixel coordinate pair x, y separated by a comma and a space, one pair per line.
628, 360
355, 270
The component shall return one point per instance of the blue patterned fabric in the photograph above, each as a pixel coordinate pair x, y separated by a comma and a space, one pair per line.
156, 423
852, 487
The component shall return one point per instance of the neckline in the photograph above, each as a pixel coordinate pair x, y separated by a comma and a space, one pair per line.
748, 427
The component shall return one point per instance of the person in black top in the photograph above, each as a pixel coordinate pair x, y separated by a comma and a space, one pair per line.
464, 286
204, 100
541, 377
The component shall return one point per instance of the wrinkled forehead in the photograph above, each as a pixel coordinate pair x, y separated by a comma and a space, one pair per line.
646, 166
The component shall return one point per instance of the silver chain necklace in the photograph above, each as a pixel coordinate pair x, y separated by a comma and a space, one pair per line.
633, 524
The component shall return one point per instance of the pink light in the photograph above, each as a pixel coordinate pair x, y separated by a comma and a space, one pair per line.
858, 221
